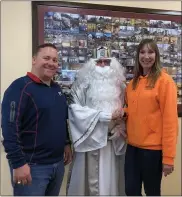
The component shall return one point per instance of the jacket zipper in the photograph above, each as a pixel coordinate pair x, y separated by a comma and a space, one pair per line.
12, 111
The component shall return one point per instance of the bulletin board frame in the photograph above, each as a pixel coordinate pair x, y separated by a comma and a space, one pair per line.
109, 13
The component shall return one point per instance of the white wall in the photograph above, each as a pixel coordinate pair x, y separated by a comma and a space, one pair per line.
16, 33
16, 50
165, 5
16, 40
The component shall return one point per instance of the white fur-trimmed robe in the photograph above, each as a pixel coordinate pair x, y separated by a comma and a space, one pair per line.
98, 165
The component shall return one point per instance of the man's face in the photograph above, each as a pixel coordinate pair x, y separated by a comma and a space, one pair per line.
103, 62
45, 63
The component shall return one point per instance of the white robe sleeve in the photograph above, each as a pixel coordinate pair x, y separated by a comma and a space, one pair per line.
88, 127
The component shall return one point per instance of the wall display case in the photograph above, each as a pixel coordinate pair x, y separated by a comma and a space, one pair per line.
78, 30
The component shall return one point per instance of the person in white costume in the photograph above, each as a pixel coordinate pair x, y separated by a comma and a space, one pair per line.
98, 138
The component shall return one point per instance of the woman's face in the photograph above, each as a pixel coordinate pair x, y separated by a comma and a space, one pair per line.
147, 57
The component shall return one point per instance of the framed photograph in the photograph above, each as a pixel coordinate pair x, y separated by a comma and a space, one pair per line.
79, 29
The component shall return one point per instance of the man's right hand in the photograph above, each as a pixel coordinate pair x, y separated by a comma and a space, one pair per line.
22, 175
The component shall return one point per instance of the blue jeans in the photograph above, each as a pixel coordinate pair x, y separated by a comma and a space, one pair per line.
46, 180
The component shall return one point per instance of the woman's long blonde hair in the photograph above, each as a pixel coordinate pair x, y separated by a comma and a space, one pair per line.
155, 70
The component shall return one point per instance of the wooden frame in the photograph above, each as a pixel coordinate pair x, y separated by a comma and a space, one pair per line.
40, 7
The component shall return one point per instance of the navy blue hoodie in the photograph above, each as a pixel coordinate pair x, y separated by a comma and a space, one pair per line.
34, 122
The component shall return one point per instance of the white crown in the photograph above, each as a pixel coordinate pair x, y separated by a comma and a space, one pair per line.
102, 52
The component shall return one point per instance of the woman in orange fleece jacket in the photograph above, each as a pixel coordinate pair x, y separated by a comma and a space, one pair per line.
152, 123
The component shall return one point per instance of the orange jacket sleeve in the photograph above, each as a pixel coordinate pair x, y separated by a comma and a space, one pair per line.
168, 106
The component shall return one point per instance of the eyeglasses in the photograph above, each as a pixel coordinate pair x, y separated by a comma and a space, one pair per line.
104, 61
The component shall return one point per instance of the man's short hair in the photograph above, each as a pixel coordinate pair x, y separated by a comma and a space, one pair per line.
43, 46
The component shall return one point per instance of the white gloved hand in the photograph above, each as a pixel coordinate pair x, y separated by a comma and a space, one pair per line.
105, 117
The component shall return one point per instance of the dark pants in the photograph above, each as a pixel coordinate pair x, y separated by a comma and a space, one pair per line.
46, 181
143, 166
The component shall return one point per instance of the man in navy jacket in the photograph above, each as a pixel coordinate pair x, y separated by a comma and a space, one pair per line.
34, 128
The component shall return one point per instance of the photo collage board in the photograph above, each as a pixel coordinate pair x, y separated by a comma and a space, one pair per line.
78, 37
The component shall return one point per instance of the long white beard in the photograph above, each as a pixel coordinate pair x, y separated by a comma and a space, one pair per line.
104, 92
85, 74
104, 85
